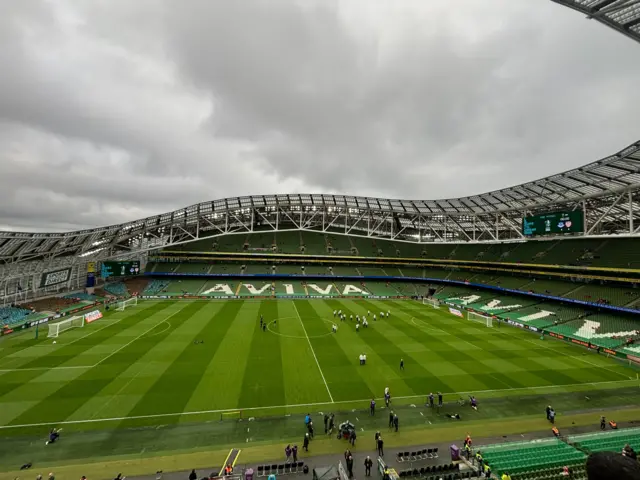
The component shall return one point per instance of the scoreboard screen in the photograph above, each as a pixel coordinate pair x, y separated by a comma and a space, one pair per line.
120, 269
556, 223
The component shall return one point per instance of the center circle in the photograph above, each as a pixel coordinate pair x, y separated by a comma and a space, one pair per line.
298, 336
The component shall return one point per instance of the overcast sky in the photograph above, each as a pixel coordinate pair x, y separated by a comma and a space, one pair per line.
112, 110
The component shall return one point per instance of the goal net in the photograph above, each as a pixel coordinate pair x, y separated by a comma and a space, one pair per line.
130, 302
476, 317
434, 302
56, 329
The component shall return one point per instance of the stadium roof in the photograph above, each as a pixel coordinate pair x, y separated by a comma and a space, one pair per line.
599, 186
621, 15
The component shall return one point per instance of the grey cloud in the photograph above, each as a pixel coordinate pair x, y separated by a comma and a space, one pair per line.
115, 110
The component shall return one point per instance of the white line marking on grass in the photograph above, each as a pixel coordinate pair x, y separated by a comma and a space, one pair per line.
161, 331
137, 338
109, 323
576, 357
313, 352
36, 369
540, 345
105, 404
276, 407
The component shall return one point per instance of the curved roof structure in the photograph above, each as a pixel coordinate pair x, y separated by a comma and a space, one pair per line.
621, 15
608, 190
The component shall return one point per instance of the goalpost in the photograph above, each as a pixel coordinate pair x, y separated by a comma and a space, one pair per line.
56, 329
476, 317
434, 302
129, 302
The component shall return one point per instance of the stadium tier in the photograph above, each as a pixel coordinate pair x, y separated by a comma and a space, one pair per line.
611, 441
316, 270
541, 459
609, 331
117, 289
13, 315
619, 252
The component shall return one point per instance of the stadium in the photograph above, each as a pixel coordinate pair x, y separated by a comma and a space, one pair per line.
202, 337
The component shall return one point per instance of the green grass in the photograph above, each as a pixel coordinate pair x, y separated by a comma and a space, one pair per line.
134, 383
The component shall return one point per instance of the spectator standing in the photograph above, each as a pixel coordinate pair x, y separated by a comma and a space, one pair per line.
193, 475
368, 463
350, 466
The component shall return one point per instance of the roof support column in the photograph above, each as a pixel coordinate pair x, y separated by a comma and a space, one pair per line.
630, 212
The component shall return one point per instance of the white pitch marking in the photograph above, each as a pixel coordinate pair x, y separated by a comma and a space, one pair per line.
38, 369
137, 338
274, 407
313, 352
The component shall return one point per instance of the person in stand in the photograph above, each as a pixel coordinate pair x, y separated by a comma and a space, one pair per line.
305, 442
193, 475
331, 423
368, 463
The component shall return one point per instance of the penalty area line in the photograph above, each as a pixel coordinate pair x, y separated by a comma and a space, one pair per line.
276, 407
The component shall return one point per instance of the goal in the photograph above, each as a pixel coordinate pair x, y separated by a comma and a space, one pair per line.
129, 302
476, 317
434, 302
56, 329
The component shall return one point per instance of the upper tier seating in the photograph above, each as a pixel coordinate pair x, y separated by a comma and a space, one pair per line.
619, 252
117, 289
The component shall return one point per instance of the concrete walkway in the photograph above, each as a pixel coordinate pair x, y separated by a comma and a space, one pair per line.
390, 456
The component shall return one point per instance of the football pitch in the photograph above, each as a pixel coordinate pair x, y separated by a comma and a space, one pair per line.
188, 363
